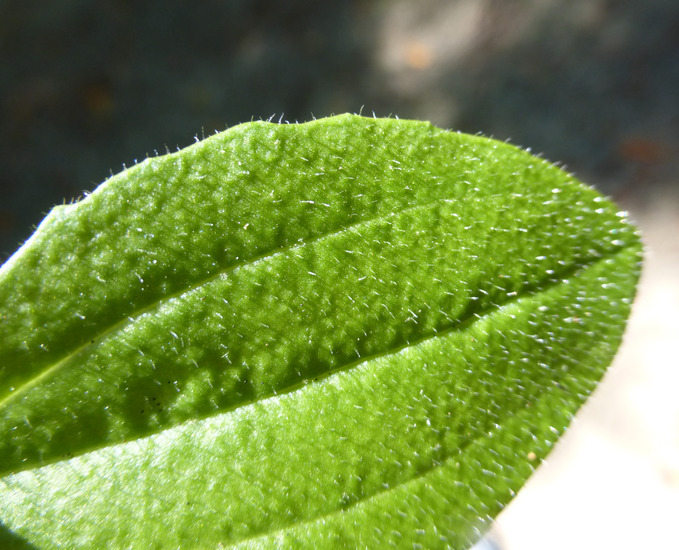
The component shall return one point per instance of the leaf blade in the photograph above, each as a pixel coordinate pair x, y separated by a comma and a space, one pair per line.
482, 277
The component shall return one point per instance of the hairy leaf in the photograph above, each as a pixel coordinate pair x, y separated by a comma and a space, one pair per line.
345, 333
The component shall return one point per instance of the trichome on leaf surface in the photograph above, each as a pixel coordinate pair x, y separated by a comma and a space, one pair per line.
349, 333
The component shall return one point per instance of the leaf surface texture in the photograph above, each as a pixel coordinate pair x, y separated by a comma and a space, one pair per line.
349, 332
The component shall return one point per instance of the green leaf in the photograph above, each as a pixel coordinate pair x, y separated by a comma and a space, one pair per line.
345, 333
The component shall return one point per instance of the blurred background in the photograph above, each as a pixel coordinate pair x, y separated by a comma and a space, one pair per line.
593, 84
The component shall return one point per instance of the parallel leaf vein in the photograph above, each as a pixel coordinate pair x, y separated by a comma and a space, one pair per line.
120, 325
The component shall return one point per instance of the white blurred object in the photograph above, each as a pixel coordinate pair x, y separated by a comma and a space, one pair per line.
486, 543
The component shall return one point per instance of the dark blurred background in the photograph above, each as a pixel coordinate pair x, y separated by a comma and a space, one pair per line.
87, 86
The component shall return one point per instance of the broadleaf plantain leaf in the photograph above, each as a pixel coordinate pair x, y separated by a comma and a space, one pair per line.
346, 333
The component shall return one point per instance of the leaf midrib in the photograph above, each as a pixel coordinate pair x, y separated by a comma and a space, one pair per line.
462, 324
